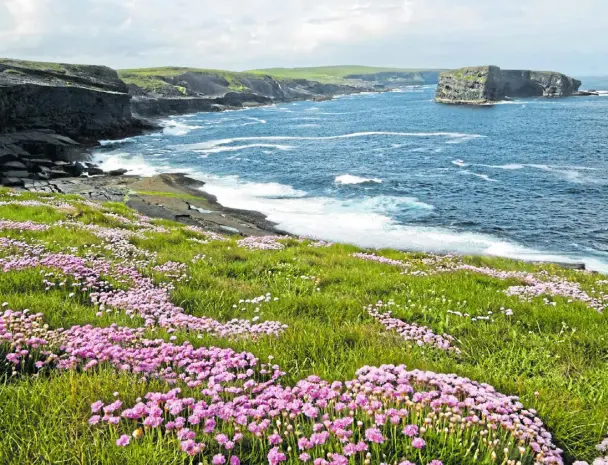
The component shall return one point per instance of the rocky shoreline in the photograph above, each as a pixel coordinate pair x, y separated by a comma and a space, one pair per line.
173, 197
51, 113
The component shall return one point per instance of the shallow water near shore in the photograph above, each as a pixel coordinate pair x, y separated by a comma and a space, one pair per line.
527, 179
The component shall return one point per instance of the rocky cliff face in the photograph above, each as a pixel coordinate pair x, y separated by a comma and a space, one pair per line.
193, 91
392, 79
488, 84
44, 106
78, 101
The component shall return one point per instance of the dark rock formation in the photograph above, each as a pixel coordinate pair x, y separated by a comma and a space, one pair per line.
488, 84
392, 79
41, 155
195, 91
83, 102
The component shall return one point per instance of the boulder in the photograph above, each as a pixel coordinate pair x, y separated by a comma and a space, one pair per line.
11, 182
13, 165
75, 170
119, 172
36, 163
58, 172
95, 171
6, 157
16, 174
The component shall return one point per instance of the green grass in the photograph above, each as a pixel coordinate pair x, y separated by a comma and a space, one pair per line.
152, 79
554, 357
329, 74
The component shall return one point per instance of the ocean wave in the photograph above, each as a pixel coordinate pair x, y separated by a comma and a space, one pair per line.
367, 222
236, 148
508, 166
110, 142
307, 125
460, 163
485, 177
350, 179
453, 137
178, 128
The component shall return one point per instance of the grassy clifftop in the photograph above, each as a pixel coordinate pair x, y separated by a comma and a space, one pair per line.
330, 74
151, 79
235, 324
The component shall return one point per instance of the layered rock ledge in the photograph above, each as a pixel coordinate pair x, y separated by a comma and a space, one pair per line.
488, 84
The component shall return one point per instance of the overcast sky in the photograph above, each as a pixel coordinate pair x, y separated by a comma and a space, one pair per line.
563, 35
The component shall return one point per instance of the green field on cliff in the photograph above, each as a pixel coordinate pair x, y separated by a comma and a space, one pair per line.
125, 339
330, 74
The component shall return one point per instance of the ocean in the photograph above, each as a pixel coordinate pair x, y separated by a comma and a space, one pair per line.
526, 179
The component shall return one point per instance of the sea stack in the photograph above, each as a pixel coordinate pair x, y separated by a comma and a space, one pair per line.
484, 85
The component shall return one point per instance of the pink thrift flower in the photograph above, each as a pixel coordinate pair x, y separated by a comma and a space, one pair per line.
374, 435
97, 406
94, 420
304, 457
275, 456
418, 443
123, 440
218, 459
234, 460
411, 431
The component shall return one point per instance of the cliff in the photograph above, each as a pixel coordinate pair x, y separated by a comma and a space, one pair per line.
487, 84
83, 102
393, 79
164, 91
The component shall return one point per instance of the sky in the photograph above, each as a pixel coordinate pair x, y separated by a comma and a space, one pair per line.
558, 35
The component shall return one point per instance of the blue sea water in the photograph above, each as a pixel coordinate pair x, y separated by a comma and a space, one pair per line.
525, 179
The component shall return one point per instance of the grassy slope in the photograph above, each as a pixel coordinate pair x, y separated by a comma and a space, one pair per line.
554, 357
328, 74
151, 78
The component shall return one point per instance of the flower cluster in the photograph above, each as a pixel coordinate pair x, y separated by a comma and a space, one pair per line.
385, 414
55, 204
420, 335
261, 243
534, 284
141, 296
211, 236
370, 257
22, 226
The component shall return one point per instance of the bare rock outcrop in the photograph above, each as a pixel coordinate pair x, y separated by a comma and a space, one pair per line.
488, 84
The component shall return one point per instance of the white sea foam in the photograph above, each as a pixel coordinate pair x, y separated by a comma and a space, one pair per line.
369, 223
366, 222
455, 137
105, 143
508, 166
178, 128
485, 177
135, 165
460, 163
236, 148
350, 179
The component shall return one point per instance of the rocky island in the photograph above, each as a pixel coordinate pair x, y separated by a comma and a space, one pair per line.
483, 85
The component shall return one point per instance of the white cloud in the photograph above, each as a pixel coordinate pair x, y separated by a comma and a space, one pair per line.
241, 34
